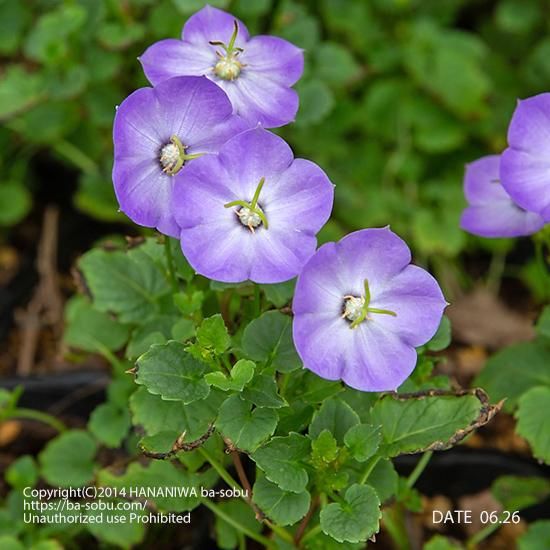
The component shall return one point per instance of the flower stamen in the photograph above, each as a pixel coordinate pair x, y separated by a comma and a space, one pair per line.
357, 308
228, 67
173, 156
250, 214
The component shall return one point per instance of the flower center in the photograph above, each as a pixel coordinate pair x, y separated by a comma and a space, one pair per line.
250, 214
357, 308
172, 156
228, 67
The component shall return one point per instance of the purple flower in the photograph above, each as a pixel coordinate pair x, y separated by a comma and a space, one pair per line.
252, 211
256, 73
156, 133
360, 310
492, 213
525, 165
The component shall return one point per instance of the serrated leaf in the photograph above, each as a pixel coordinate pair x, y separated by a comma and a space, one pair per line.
156, 330
169, 371
68, 460
269, 339
411, 425
246, 428
279, 294
281, 459
384, 479
362, 440
128, 284
442, 338
241, 373
336, 416
156, 415
213, 335
91, 330
534, 421
318, 389
263, 392
357, 519
283, 507
516, 493
324, 450
109, 424
514, 370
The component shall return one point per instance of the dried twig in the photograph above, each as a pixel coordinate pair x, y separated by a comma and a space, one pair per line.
304, 523
180, 445
46, 305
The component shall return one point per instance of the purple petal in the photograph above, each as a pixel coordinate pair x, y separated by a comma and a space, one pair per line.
213, 24
260, 100
492, 212
529, 129
274, 58
169, 58
414, 295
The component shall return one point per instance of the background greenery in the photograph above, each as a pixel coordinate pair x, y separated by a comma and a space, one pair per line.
396, 97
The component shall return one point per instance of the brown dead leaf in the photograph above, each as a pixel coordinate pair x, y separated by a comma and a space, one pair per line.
481, 319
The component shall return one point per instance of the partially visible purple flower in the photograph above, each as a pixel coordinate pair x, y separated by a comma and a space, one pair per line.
491, 211
256, 73
360, 310
156, 133
525, 165
252, 211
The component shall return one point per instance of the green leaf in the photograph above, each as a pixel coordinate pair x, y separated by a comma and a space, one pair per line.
362, 440
262, 391
282, 458
335, 64
246, 428
19, 90
106, 525
109, 424
412, 425
513, 371
269, 339
213, 335
354, 520
543, 323
95, 196
22, 472
129, 285
336, 416
156, 415
241, 374
13, 19
91, 330
316, 102
439, 542
384, 479
279, 294
318, 389
534, 421
227, 536
324, 450
19, 200
8, 542
169, 371
516, 493
157, 330
537, 536
283, 507
68, 460
442, 338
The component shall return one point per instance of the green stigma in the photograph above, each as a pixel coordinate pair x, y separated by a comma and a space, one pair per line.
228, 67
250, 214
173, 156
357, 308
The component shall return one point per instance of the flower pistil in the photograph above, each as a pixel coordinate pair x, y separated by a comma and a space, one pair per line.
228, 66
357, 308
250, 214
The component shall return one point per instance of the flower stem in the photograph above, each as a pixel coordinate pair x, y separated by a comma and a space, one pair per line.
371, 464
480, 536
419, 468
222, 472
312, 532
238, 526
32, 414
170, 264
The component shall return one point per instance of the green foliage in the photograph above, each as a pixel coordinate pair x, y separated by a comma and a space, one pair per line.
537, 536
516, 493
533, 423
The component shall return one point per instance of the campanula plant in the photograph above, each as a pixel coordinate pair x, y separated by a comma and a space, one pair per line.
245, 357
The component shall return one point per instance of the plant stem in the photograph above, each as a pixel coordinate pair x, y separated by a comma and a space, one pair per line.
369, 468
419, 468
312, 532
239, 526
474, 540
222, 472
39, 416
170, 264
76, 156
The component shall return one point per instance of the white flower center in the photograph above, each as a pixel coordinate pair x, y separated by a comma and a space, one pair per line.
169, 157
353, 307
228, 68
249, 218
